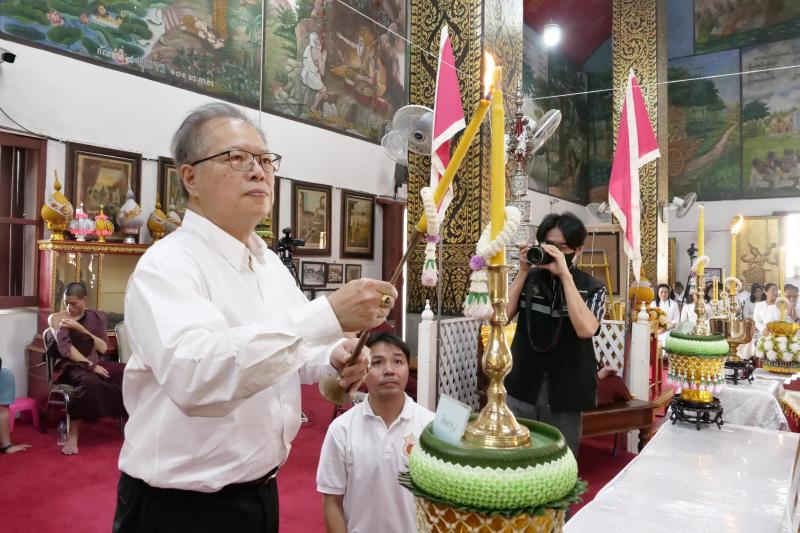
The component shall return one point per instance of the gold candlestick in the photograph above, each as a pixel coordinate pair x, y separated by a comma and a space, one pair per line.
496, 426
700, 327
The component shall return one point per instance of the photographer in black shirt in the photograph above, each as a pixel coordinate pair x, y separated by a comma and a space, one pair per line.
554, 377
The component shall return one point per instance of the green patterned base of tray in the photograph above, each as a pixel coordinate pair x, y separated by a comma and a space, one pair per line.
561, 504
495, 478
713, 345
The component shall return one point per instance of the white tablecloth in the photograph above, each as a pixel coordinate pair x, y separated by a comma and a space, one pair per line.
753, 404
729, 480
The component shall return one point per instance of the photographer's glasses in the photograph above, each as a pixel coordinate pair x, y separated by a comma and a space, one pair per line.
242, 160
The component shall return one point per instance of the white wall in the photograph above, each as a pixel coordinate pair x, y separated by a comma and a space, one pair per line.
718, 220
541, 207
17, 328
71, 100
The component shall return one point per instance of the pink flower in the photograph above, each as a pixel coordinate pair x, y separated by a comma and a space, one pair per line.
196, 64
84, 19
429, 278
213, 64
55, 18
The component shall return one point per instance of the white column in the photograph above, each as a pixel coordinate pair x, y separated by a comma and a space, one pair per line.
639, 368
427, 363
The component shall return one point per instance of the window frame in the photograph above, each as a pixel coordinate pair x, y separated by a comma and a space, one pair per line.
30, 143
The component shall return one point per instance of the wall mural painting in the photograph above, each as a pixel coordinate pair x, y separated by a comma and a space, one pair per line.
568, 147
704, 127
599, 71
327, 64
726, 24
534, 85
212, 46
771, 121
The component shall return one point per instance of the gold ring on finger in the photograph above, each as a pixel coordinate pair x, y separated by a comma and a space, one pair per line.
387, 302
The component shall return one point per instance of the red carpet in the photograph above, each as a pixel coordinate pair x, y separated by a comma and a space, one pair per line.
42, 491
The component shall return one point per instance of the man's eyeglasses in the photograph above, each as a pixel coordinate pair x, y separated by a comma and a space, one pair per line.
243, 160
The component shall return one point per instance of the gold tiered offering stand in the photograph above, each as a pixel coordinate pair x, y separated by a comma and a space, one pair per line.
495, 428
782, 329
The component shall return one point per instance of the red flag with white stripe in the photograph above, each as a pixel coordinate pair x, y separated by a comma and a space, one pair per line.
448, 117
636, 146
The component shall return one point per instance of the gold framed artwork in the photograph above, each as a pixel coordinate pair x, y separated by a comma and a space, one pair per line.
758, 247
358, 225
311, 218
99, 177
352, 272
335, 273
169, 187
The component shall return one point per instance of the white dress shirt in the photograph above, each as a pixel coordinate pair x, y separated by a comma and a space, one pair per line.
688, 314
763, 314
742, 297
221, 340
361, 458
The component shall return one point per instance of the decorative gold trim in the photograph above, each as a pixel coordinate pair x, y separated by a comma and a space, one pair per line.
53, 283
77, 267
93, 247
100, 278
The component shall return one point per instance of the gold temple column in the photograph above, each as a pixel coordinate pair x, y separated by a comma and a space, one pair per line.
640, 42
476, 26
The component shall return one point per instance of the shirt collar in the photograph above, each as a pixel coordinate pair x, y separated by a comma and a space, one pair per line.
406, 413
231, 248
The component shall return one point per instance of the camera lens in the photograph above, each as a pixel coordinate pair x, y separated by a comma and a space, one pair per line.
537, 256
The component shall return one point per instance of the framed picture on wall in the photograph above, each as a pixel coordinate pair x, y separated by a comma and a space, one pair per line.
275, 216
99, 177
170, 189
335, 273
308, 293
709, 274
311, 218
352, 272
313, 274
319, 293
358, 225
296, 263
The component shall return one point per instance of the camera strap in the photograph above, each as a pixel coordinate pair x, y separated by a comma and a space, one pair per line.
529, 314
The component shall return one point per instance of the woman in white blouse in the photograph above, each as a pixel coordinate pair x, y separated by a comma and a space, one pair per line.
756, 295
687, 313
670, 307
765, 310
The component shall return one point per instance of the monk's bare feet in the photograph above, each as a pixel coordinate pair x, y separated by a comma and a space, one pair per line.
71, 446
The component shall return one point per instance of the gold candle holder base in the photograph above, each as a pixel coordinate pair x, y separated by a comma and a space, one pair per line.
496, 426
700, 327
58, 229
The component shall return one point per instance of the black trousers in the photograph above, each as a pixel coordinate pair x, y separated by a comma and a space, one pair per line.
245, 508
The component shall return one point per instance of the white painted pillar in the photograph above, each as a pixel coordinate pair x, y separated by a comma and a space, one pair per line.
639, 368
427, 366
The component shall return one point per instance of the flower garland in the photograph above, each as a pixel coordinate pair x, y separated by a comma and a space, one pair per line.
685, 381
430, 274
775, 348
477, 304
520, 145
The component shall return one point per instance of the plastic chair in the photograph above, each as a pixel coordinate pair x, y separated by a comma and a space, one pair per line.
23, 404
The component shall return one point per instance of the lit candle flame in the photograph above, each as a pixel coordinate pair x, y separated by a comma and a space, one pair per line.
736, 227
488, 76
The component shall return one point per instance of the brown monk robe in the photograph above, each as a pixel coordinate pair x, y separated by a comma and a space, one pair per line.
80, 334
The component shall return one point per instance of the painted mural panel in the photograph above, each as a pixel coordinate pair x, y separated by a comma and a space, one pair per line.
328, 64
726, 24
568, 147
704, 127
534, 85
771, 121
600, 83
680, 28
212, 46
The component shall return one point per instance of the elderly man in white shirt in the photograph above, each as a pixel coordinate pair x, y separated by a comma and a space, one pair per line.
369, 445
221, 340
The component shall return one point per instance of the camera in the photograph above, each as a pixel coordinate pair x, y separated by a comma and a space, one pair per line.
538, 256
6, 56
287, 244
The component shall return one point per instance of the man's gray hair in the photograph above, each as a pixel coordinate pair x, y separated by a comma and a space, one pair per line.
189, 143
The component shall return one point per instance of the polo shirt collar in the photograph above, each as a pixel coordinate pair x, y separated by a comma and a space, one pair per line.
231, 248
406, 413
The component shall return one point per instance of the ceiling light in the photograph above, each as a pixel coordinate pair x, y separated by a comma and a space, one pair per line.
552, 33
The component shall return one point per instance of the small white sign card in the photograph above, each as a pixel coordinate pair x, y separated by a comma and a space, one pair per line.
451, 420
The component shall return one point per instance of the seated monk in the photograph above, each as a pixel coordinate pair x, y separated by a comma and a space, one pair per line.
80, 334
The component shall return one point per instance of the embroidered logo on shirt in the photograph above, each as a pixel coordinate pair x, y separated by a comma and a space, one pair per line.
535, 289
408, 444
